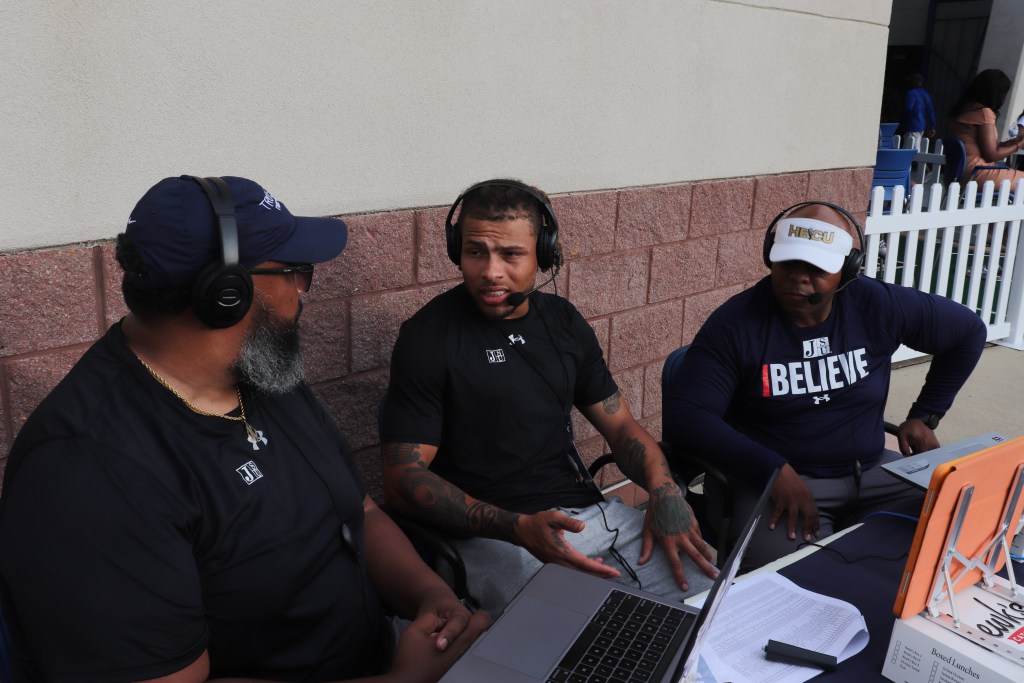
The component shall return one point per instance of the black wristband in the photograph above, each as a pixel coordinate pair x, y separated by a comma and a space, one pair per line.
931, 420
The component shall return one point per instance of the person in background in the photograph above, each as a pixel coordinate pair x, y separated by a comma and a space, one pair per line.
972, 120
917, 119
1016, 128
181, 507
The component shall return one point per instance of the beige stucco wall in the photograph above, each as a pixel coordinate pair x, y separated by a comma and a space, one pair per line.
365, 106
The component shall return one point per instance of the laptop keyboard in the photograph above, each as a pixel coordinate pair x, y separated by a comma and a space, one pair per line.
629, 640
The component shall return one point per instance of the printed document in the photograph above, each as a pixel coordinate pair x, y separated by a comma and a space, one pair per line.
768, 606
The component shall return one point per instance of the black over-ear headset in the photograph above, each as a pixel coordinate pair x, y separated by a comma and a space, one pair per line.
222, 291
548, 253
854, 262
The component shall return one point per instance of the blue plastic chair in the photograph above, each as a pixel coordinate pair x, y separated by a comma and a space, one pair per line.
892, 168
886, 131
956, 162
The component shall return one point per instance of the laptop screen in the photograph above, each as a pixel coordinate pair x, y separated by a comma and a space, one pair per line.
691, 651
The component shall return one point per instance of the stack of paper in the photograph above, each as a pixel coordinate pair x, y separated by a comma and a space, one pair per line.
768, 606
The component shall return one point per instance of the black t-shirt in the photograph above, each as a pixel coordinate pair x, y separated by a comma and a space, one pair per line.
136, 533
494, 397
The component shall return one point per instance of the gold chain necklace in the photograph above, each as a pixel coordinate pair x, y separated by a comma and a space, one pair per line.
254, 436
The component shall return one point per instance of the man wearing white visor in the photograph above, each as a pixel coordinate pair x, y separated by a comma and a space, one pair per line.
793, 374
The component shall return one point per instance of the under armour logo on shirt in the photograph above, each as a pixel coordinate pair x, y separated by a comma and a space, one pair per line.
516, 339
257, 439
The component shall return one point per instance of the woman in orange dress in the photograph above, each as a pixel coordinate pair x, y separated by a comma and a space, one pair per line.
973, 120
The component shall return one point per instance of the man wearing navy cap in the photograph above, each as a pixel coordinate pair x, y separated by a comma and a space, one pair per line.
793, 374
181, 507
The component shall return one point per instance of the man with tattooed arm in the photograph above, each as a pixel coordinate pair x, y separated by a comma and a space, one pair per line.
476, 425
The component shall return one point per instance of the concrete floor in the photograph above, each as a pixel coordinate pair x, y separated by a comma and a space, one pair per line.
990, 401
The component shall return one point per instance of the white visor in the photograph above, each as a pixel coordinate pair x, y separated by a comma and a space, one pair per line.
816, 242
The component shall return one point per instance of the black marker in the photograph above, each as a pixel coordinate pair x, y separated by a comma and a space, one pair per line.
775, 651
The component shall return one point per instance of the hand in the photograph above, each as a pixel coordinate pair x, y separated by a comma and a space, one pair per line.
452, 615
669, 519
792, 495
916, 437
419, 659
930, 133
543, 534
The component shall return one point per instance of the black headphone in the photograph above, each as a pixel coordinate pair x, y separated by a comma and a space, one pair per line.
854, 262
222, 291
548, 253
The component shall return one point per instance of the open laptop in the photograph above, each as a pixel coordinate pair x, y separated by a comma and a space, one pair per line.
917, 470
565, 625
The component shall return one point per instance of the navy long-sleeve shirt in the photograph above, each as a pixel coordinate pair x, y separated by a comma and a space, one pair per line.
759, 392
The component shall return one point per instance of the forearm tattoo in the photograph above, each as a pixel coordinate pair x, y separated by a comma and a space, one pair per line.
402, 454
630, 456
671, 515
612, 403
444, 504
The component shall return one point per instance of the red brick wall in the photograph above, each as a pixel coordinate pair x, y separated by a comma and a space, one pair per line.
645, 266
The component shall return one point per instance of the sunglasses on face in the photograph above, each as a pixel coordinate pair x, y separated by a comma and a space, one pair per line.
302, 273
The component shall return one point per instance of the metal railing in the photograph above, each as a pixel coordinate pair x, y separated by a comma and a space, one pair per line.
960, 245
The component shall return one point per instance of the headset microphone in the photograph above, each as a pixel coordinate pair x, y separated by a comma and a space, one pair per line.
814, 298
516, 299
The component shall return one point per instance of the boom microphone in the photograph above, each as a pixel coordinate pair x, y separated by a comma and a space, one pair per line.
516, 299
814, 298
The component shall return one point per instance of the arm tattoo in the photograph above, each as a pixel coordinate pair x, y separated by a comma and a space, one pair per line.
672, 515
428, 496
401, 454
612, 403
630, 456
447, 506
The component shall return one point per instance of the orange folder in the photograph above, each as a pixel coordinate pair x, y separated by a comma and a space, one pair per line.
992, 472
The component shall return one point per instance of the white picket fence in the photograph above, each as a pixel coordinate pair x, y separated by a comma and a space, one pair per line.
925, 172
963, 247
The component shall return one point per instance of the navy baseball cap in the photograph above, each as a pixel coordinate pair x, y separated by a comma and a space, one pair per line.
174, 229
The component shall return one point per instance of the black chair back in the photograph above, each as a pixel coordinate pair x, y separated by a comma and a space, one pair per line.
5, 652
715, 518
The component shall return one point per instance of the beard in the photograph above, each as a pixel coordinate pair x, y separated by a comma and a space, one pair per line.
270, 360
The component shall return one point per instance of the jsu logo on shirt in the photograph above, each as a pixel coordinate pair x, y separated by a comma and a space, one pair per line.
249, 472
817, 347
495, 356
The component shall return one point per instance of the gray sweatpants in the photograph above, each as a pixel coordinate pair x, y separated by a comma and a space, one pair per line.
840, 504
498, 570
